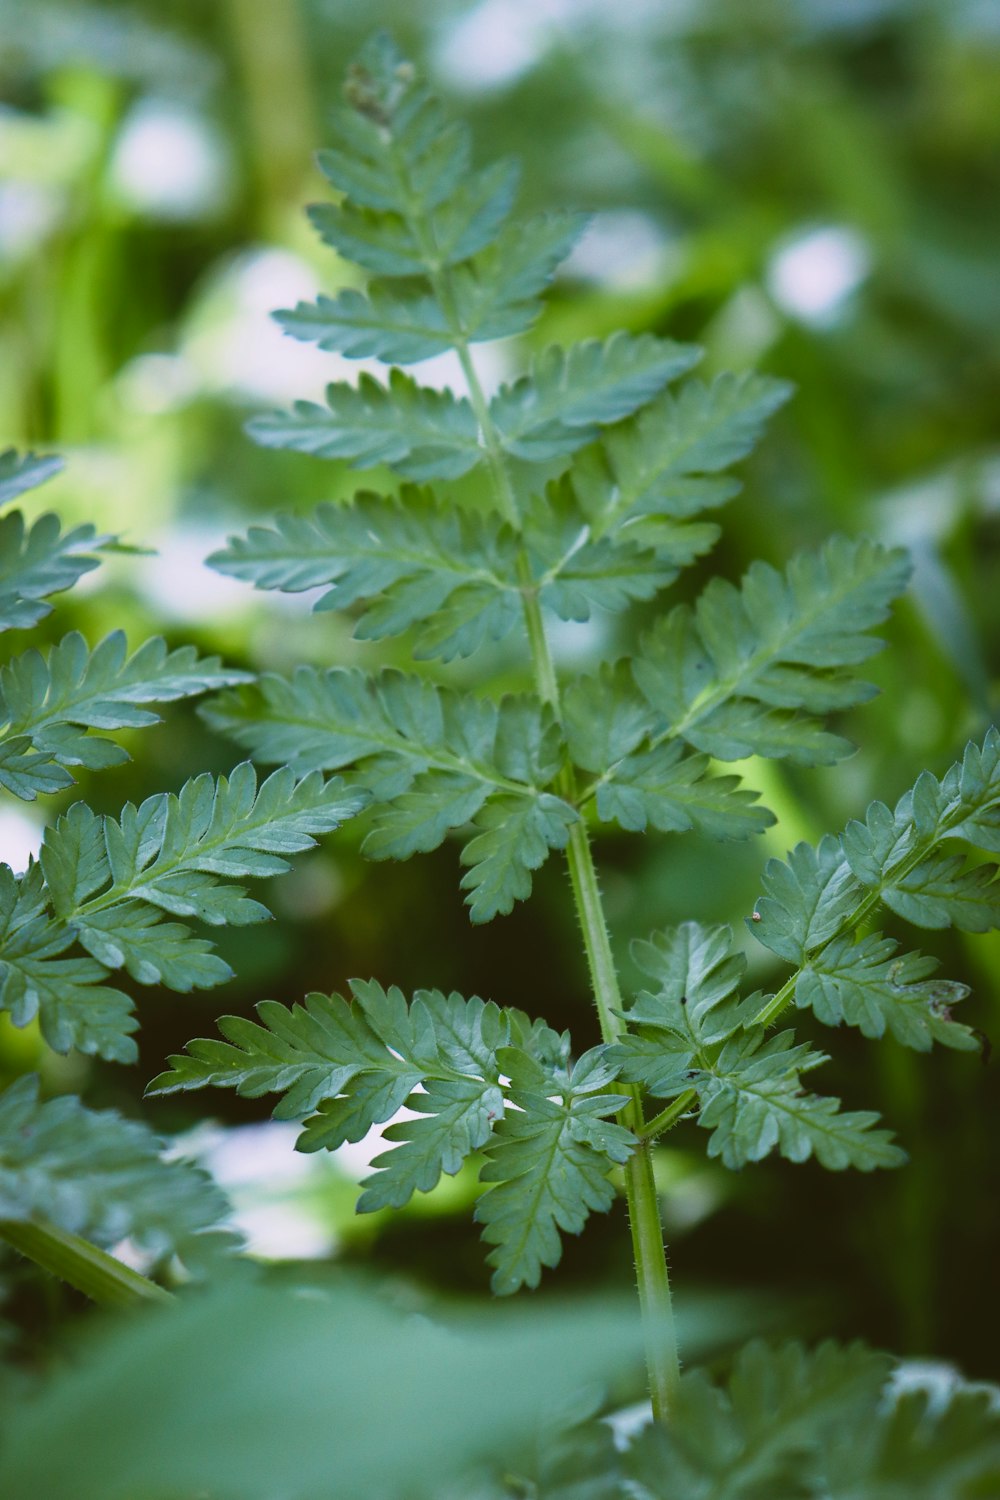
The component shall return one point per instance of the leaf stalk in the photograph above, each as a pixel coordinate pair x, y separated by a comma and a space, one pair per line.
649, 1251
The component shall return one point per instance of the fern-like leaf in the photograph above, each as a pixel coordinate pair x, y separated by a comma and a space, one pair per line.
818, 898
386, 324
693, 1037
752, 1100
638, 783
549, 1162
93, 1173
514, 836
657, 467
570, 394
20, 472
496, 291
452, 574
358, 1064
106, 884
871, 985
449, 1061
918, 1444
747, 671
50, 703
432, 759
39, 977
759, 1437
39, 560
422, 434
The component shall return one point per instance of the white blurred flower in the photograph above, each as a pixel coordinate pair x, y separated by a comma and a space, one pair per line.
813, 274
270, 1185
169, 163
623, 248
176, 581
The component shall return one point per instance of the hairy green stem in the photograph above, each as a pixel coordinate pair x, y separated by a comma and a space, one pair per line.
649, 1252
75, 1260
669, 1116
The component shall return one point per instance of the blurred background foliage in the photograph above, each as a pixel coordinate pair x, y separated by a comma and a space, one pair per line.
807, 186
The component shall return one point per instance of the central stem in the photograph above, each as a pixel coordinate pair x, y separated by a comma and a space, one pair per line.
648, 1249
640, 1188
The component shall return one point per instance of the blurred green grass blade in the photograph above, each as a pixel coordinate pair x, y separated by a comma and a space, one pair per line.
75, 1260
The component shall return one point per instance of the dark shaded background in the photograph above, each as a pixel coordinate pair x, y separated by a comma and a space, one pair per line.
806, 187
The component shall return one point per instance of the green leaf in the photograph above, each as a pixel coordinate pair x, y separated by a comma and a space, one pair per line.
455, 1119
93, 1173
176, 849
665, 789
40, 560
752, 1100
495, 293
307, 1053
392, 137
449, 1047
297, 1378
817, 898
26, 771
692, 1009
24, 471
810, 897
695, 968
575, 574
133, 937
549, 1162
109, 882
357, 1065
649, 469
515, 837
607, 721
38, 977
412, 206
51, 703
920, 1446
757, 1439
396, 244
747, 671
569, 394
871, 985
443, 1057
450, 574
606, 717
432, 759
421, 433
386, 324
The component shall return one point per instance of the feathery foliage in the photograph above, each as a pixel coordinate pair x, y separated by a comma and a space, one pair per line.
592, 480
816, 904
826, 1422
597, 478
96, 902
104, 885
93, 1173
37, 559
457, 1066
432, 759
